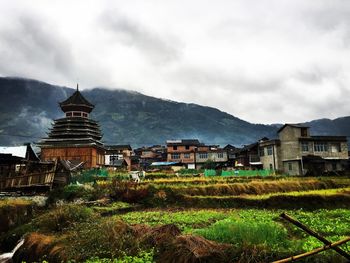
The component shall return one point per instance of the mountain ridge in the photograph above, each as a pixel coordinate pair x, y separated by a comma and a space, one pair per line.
27, 108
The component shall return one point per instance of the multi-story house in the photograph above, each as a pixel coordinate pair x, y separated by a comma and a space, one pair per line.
115, 153
148, 155
210, 154
248, 156
296, 152
194, 155
183, 151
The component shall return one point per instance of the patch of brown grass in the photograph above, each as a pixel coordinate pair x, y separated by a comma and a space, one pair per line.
193, 249
38, 247
259, 187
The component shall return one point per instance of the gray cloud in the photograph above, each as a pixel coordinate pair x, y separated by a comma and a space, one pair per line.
33, 42
132, 33
263, 61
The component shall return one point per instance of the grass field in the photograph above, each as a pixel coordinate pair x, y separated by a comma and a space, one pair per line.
192, 219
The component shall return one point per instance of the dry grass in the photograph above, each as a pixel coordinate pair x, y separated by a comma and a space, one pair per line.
277, 201
14, 212
38, 247
260, 187
193, 249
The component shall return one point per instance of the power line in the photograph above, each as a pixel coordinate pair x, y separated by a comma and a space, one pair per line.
20, 135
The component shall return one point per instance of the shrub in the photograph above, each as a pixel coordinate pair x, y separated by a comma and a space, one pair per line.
14, 212
72, 192
128, 191
63, 217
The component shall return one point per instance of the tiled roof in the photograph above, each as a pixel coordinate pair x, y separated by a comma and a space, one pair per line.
297, 125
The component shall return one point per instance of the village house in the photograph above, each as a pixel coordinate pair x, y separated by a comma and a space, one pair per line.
117, 155
21, 169
76, 136
183, 151
14, 159
296, 152
194, 155
231, 154
151, 154
247, 157
210, 155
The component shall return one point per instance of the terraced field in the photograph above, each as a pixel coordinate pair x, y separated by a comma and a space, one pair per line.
192, 219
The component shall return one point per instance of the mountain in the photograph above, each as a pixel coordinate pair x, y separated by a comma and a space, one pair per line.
27, 108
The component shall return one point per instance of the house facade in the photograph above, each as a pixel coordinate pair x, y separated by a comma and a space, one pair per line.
183, 151
115, 153
296, 152
210, 155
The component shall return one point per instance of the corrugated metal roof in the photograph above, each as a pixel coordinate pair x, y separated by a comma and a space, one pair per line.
19, 151
163, 163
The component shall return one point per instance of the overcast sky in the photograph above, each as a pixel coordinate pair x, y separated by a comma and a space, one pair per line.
263, 61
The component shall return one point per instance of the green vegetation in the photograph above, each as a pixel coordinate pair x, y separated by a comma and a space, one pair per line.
243, 233
185, 220
216, 219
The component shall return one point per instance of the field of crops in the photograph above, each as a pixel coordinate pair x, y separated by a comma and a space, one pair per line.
190, 219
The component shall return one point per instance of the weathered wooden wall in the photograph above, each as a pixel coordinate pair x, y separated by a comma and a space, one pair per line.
92, 156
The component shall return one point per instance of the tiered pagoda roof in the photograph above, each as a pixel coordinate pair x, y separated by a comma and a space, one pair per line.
73, 131
76, 102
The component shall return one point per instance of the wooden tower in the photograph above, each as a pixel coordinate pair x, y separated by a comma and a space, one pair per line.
75, 137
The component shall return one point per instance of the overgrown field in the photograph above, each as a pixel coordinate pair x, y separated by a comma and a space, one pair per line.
190, 219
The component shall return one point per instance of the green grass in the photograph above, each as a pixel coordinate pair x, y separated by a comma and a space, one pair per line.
323, 192
252, 226
185, 220
111, 208
242, 233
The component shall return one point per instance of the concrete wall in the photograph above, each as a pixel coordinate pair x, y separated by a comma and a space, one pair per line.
212, 156
272, 160
343, 154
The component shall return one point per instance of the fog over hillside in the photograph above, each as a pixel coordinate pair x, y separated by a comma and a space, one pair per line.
27, 108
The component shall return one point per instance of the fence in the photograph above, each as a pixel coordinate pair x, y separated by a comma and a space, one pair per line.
89, 176
239, 173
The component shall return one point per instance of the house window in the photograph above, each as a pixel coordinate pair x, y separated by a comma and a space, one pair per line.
175, 156
203, 155
186, 155
113, 159
220, 155
187, 147
269, 150
262, 151
271, 167
305, 146
174, 148
69, 114
320, 147
335, 148
290, 166
303, 132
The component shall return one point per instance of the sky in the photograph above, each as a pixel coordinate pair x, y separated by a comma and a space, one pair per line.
264, 61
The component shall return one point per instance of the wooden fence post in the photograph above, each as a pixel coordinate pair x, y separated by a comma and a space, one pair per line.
314, 234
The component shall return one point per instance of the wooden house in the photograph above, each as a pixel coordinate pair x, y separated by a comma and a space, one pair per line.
21, 170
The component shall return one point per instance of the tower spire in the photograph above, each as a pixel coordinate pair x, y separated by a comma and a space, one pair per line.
77, 87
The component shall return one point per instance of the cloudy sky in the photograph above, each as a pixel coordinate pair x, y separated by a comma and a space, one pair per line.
264, 61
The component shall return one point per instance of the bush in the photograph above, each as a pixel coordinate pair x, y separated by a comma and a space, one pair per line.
72, 192
14, 212
62, 217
